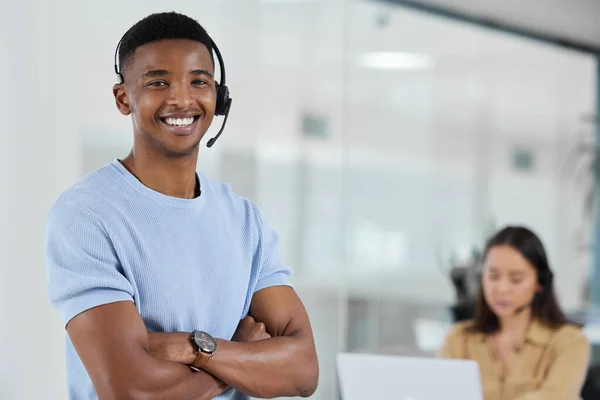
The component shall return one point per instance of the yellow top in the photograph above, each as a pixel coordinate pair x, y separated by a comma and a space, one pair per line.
548, 365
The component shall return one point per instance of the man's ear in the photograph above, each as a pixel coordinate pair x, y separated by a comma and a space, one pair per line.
121, 99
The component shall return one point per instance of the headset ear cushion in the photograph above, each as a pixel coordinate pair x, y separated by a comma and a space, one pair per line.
222, 100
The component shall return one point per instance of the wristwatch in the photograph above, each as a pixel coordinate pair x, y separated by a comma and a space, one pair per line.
205, 347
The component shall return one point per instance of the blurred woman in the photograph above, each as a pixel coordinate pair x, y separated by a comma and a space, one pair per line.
525, 347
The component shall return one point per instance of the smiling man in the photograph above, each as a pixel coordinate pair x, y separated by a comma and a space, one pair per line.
169, 284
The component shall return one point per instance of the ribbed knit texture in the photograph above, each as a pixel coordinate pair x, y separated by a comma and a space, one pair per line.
186, 264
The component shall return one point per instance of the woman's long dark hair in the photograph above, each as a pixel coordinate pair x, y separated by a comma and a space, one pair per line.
545, 305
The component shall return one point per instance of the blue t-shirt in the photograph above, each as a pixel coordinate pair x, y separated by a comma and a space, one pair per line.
186, 263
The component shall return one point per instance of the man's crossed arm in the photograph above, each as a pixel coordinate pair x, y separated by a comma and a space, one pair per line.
126, 362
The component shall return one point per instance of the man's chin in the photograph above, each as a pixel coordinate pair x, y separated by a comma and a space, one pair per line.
180, 152
170, 145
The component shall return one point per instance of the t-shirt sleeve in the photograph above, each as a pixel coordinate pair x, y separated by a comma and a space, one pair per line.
271, 270
82, 268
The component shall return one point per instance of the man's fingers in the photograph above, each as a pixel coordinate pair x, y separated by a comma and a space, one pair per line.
261, 326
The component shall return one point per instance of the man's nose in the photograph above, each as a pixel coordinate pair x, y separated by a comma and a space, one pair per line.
180, 96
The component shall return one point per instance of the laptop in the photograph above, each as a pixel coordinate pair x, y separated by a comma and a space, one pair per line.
369, 376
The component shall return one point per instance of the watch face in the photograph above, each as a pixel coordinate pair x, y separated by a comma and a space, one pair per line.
205, 342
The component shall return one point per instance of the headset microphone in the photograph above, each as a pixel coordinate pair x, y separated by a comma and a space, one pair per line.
214, 139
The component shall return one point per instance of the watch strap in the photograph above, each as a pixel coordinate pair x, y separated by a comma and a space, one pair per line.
200, 361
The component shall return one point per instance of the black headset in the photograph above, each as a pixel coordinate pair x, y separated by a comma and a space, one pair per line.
223, 100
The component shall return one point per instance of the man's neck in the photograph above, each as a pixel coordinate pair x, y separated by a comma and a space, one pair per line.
175, 177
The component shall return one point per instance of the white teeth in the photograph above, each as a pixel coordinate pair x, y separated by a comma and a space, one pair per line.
179, 121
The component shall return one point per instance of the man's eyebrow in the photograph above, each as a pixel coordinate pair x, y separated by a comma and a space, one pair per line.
201, 72
154, 73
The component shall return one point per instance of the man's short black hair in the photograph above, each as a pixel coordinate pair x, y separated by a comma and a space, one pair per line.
161, 26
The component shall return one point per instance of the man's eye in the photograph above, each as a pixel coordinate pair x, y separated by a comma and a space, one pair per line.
199, 82
157, 83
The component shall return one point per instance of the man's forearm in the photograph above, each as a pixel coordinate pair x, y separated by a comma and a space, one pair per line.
280, 366
168, 380
157, 378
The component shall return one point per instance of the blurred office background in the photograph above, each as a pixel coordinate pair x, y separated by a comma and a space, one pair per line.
383, 142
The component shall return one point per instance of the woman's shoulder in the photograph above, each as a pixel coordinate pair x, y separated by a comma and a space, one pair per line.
464, 326
461, 329
569, 334
570, 344
457, 337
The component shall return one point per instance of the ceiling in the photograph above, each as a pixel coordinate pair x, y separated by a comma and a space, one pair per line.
576, 21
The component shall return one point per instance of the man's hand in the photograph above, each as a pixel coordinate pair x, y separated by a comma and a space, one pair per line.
249, 330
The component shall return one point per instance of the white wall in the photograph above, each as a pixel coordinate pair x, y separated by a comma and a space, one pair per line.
4, 212
38, 149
